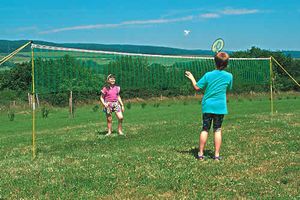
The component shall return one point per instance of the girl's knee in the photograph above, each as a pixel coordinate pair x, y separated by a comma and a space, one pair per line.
109, 119
119, 116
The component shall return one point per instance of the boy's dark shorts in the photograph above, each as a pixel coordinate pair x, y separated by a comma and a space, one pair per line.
208, 118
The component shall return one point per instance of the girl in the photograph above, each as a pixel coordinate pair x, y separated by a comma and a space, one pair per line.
112, 102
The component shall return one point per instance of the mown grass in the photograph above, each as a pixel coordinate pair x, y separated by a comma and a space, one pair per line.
156, 159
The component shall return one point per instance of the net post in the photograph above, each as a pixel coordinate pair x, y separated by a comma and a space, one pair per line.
271, 87
33, 106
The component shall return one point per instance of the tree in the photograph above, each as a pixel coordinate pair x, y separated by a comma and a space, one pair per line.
282, 80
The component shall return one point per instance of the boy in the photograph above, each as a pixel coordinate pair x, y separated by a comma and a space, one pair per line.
215, 84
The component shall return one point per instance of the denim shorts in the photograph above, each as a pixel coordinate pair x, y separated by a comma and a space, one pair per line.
208, 118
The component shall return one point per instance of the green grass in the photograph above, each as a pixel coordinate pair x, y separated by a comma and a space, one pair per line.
156, 160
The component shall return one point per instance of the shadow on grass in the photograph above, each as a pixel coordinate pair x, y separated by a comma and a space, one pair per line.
194, 152
98, 132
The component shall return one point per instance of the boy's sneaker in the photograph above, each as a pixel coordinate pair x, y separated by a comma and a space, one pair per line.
108, 134
200, 157
121, 133
217, 158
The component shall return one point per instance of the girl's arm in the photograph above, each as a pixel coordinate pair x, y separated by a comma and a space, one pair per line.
102, 101
121, 103
190, 76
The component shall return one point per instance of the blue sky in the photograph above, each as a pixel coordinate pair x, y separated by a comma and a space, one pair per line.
189, 24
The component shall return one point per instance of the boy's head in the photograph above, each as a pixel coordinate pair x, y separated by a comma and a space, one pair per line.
221, 60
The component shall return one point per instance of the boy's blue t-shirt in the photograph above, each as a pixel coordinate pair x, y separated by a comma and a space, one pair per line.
215, 84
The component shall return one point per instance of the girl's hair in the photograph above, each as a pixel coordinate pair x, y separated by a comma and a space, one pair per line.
106, 82
110, 76
221, 60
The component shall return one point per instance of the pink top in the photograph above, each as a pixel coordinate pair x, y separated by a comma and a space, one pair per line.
111, 94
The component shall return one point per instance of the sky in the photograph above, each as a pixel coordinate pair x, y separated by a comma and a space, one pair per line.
187, 24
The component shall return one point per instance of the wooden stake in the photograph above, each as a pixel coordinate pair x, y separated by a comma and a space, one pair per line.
37, 100
71, 104
29, 100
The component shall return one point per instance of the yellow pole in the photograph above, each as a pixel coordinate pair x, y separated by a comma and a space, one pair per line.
285, 71
271, 86
33, 106
9, 56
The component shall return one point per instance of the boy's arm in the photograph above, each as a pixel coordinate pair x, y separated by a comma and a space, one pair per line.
190, 76
229, 87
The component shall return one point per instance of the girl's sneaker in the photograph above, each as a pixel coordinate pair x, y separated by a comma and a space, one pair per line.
108, 134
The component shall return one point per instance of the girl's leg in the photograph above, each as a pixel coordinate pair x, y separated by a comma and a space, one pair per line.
202, 142
120, 120
109, 124
218, 142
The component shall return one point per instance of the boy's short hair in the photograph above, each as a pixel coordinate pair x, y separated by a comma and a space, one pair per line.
221, 60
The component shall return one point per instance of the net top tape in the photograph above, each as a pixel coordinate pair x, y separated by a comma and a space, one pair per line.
38, 46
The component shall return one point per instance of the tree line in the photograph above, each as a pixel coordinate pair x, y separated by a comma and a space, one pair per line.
54, 78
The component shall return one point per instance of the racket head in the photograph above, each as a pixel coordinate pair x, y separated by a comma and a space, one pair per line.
217, 45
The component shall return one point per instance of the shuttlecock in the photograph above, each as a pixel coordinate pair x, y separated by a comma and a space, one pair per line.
186, 32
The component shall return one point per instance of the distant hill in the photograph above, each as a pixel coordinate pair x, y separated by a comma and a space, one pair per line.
7, 46
293, 54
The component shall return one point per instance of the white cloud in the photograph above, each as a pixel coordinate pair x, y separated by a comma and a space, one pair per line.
172, 13
125, 23
218, 14
210, 15
239, 11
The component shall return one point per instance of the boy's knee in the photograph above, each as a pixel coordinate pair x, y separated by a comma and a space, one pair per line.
121, 118
218, 131
109, 119
203, 133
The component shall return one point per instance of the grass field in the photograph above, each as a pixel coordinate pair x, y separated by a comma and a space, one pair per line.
156, 158
18, 58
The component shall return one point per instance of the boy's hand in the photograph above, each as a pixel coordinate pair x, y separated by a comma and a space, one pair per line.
192, 79
105, 105
189, 75
122, 108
